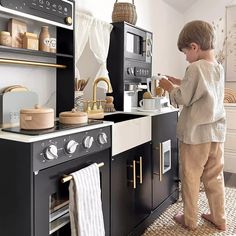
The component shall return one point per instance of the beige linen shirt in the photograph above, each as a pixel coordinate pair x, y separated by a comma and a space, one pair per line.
201, 93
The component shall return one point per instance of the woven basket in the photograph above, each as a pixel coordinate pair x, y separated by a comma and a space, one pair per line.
124, 11
230, 96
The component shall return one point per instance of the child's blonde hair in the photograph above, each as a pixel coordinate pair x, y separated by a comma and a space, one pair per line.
199, 32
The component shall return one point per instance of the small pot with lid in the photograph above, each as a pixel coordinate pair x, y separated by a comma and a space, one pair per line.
36, 118
73, 117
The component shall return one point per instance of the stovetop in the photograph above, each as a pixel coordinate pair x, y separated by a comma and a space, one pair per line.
57, 127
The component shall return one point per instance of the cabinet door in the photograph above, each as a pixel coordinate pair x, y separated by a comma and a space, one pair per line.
130, 204
165, 166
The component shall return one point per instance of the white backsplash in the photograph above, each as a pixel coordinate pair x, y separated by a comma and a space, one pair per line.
41, 80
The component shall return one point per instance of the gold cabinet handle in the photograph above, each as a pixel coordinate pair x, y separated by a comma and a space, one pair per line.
140, 176
31, 63
160, 164
133, 166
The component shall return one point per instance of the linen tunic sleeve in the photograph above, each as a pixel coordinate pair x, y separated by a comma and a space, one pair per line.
191, 88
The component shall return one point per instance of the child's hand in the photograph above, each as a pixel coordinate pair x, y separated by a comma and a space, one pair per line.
166, 85
173, 80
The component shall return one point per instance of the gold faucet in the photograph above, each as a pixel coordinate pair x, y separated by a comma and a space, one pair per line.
95, 83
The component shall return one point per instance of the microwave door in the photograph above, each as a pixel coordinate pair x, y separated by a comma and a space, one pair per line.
134, 43
134, 46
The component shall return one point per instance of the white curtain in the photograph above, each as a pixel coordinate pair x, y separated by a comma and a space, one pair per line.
83, 23
99, 40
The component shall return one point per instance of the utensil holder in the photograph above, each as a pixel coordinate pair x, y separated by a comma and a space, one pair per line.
79, 101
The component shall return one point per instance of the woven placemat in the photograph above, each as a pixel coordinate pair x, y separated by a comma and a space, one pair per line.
166, 226
230, 96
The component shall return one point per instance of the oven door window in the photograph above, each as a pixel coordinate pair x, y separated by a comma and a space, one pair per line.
58, 211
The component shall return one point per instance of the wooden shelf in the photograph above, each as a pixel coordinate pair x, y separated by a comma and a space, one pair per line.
31, 63
33, 52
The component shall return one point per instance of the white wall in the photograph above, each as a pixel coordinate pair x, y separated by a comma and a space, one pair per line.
165, 23
210, 10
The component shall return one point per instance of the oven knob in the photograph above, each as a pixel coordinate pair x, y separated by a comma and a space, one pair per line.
68, 20
51, 152
88, 141
102, 138
71, 146
130, 71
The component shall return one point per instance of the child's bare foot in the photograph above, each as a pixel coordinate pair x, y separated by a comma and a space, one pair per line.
179, 218
208, 217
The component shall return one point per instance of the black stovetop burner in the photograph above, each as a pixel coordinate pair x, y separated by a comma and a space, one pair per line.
57, 127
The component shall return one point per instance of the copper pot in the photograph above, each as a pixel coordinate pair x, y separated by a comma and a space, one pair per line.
73, 117
36, 118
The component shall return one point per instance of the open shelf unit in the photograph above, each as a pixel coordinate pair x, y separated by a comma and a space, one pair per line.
63, 61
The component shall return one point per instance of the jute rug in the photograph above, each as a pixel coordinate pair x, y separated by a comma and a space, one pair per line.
166, 226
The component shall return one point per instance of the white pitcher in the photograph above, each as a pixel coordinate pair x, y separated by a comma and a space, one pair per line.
152, 84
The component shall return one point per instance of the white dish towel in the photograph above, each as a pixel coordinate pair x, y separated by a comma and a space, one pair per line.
85, 204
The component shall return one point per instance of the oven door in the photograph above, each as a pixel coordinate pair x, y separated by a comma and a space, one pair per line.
51, 210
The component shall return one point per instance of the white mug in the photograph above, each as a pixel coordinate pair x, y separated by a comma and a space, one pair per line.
148, 104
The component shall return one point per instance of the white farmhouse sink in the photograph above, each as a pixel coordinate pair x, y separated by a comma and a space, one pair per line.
128, 131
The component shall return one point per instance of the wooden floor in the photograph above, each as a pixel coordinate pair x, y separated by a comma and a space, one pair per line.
230, 179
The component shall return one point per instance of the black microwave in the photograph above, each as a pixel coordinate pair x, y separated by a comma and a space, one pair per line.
129, 62
137, 43
130, 54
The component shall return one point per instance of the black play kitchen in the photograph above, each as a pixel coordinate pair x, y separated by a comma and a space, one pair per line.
137, 153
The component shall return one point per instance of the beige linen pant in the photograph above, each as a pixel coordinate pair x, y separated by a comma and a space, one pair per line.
202, 162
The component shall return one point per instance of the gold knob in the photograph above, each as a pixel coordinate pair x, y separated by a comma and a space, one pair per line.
68, 20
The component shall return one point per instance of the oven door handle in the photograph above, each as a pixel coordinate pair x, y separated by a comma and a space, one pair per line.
67, 178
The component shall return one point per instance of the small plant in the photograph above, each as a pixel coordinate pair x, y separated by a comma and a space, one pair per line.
223, 47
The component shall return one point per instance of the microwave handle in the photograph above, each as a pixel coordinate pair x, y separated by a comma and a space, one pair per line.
144, 46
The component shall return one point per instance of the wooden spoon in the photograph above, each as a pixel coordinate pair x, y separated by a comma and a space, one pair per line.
78, 85
82, 84
85, 83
